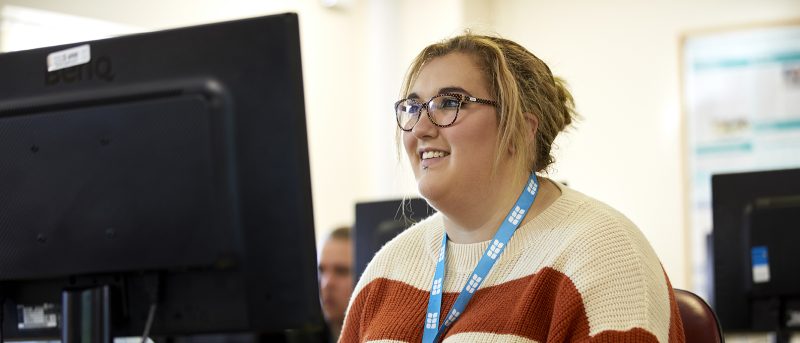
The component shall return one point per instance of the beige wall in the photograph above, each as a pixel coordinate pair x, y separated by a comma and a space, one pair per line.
619, 56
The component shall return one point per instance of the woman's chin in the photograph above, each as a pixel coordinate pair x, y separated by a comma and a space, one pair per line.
426, 190
432, 192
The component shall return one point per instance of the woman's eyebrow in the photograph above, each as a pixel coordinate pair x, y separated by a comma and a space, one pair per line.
450, 89
453, 89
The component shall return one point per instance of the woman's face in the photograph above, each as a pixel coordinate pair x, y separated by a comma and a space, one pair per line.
453, 163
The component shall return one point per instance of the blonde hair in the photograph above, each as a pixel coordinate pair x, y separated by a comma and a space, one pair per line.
522, 84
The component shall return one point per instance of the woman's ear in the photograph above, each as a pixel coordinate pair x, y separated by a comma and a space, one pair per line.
533, 125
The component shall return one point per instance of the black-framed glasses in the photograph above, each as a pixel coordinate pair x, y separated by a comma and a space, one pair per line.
442, 109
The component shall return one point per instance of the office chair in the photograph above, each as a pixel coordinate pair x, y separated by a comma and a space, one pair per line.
700, 324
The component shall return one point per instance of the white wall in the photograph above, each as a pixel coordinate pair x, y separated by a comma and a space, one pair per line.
621, 60
619, 56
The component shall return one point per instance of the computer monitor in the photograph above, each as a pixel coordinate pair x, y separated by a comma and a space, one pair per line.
377, 222
158, 180
756, 227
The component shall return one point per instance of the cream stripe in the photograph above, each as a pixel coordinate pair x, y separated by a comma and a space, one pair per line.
461, 258
471, 337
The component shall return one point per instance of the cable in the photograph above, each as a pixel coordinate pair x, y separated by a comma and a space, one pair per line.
151, 314
152, 285
2, 311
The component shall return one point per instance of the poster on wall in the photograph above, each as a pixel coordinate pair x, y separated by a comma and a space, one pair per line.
741, 97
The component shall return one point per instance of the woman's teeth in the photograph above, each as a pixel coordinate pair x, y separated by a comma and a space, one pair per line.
433, 154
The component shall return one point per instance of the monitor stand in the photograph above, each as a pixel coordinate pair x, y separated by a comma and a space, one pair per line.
86, 315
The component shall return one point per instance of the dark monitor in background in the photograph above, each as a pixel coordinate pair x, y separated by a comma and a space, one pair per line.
379, 221
756, 218
160, 181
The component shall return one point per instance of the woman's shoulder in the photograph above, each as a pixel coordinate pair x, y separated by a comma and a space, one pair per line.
610, 263
586, 218
594, 229
590, 242
587, 208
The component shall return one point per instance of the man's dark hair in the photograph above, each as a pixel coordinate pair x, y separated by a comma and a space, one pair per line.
342, 232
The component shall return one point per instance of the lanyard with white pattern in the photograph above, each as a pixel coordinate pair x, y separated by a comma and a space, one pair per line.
433, 331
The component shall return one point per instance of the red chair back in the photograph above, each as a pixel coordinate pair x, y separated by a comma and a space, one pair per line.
700, 324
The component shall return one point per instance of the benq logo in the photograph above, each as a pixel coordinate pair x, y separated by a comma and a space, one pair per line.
99, 68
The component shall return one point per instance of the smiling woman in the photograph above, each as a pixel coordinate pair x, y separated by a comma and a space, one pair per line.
452, 165
510, 255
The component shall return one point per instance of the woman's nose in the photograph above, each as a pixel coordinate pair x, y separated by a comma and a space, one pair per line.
424, 127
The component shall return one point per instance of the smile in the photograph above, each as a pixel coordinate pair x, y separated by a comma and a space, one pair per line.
433, 154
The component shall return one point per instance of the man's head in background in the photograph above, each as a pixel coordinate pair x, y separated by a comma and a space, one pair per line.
336, 277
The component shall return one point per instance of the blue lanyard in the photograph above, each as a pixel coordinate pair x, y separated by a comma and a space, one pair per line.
433, 331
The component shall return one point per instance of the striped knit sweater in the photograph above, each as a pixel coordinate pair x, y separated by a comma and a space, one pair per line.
579, 271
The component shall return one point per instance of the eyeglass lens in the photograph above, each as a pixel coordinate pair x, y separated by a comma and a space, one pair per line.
442, 110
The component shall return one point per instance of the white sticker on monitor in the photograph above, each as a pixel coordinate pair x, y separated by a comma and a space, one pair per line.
761, 273
792, 318
42, 316
760, 261
69, 58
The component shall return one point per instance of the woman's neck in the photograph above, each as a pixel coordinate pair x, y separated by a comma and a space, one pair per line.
478, 221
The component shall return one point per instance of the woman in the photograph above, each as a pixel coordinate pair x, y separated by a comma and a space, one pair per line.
525, 259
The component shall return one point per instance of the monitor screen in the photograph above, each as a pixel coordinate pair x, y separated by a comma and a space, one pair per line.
756, 217
164, 172
377, 222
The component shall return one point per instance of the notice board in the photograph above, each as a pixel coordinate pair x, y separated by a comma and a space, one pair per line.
741, 107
